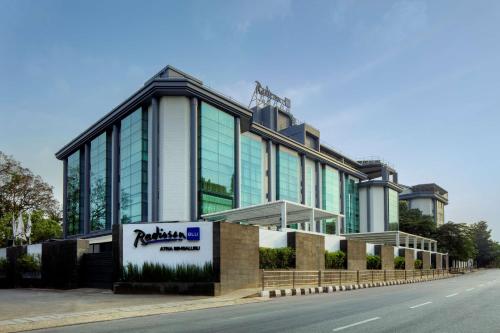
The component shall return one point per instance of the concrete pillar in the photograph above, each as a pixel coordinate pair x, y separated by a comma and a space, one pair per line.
283, 216
355, 251
407, 241
312, 221
415, 243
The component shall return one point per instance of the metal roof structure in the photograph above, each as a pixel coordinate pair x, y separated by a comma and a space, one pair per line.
395, 238
281, 213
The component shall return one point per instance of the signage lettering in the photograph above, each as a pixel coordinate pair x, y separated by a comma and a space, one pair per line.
158, 236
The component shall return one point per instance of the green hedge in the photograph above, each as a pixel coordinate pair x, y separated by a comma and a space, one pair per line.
399, 263
335, 260
373, 262
29, 263
150, 272
418, 264
3, 265
280, 258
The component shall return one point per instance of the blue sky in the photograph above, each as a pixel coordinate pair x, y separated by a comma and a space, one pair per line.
413, 82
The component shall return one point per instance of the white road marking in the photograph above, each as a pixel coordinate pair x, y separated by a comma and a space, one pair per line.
455, 294
356, 324
419, 305
470, 289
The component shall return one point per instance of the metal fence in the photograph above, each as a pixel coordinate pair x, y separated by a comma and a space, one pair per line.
275, 279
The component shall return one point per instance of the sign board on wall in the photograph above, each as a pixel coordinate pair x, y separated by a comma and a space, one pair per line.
167, 243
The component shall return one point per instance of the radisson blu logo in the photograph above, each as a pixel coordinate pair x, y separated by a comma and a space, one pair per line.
160, 235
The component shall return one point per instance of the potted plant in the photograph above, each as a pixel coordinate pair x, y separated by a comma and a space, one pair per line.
29, 266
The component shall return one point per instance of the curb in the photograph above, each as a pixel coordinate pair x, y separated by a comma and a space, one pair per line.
332, 289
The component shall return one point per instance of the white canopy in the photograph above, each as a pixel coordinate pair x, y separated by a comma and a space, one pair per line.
281, 213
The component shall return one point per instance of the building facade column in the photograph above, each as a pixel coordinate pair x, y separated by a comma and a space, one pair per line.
155, 159
270, 190
115, 174
65, 197
341, 221
193, 166
283, 216
237, 172
386, 208
86, 189
303, 179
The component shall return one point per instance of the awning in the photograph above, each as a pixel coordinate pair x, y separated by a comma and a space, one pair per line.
396, 238
281, 213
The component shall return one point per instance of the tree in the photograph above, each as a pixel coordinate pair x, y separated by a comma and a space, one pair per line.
23, 192
414, 222
484, 244
455, 239
44, 227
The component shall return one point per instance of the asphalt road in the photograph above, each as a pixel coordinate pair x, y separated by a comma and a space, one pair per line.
469, 303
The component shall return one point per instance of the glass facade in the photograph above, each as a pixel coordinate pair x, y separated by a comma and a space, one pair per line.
309, 190
99, 184
331, 197
74, 196
216, 160
393, 210
351, 196
134, 167
251, 171
288, 177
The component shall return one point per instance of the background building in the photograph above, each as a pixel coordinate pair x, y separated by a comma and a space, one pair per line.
430, 199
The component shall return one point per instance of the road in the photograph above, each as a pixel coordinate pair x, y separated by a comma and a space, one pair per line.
469, 303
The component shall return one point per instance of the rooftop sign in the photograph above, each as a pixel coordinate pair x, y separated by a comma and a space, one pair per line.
264, 97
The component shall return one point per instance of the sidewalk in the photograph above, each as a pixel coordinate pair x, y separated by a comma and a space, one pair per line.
171, 305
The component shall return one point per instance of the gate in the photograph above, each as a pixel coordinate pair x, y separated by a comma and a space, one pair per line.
97, 270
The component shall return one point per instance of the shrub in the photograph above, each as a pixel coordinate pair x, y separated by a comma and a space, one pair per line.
418, 264
28, 263
280, 258
335, 260
153, 272
3, 265
373, 262
399, 263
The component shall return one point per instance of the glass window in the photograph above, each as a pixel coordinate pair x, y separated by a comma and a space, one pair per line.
216, 160
99, 184
74, 196
331, 197
134, 167
251, 171
288, 177
352, 206
393, 210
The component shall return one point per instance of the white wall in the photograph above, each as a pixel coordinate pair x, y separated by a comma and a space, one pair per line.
35, 249
363, 210
151, 252
150, 164
174, 178
377, 209
370, 248
272, 239
396, 251
425, 205
311, 182
332, 242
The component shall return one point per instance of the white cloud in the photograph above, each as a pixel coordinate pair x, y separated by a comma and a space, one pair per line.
253, 12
